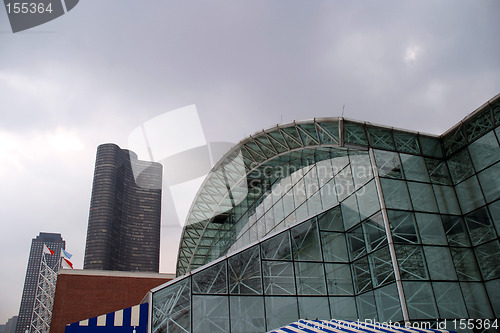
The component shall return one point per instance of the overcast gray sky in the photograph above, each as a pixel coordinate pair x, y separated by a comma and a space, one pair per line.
94, 74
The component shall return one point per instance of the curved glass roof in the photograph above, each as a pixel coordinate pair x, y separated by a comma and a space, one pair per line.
239, 178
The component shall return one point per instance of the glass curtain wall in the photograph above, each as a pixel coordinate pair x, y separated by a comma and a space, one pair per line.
387, 225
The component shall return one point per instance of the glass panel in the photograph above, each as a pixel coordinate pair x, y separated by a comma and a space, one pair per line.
305, 242
479, 124
439, 263
314, 308
355, 134
310, 278
211, 280
360, 167
388, 304
431, 146
381, 138
480, 226
484, 151
328, 195
308, 134
465, 264
299, 192
411, 262
334, 247
420, 300
210, 314
494, 209
356, 243
402, 226
331, 220
469, 194
172, 308
496, 116
406, 142
278, 278
381, 264
490, 182
339, 162
475, 300
343, 307
438, 171
395, 194
414, 168
374, 230
244, 272
344, 184
449, 300
338, 279
281, 311
350, 212
301, 212
367, 308
422, 197
247, 314
361, 275
332, 129
431, 229
493, 289
455, 231
446, 199
277, 247
288, 204
368, 200
489, 260
324, 170
292, 137
460, 166
453, 141
388, 164
314, 204
278, 211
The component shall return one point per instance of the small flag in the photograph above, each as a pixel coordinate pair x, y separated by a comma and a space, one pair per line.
47, 250
66, 263
66, 254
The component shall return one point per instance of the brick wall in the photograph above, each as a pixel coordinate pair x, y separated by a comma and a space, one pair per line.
82, 296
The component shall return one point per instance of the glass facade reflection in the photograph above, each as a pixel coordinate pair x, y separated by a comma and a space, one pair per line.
334, 218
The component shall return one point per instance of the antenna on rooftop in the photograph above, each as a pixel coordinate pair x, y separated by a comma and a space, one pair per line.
343, 108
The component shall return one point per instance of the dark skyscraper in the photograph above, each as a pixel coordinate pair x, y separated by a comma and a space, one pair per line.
124, 220
55, 243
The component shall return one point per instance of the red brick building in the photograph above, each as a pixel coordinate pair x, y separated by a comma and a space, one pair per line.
82, 294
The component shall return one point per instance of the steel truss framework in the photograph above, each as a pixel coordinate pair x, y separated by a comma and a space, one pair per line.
44, 297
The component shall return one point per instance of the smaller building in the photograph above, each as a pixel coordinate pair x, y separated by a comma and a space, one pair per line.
53, 241
83, 294
10, 326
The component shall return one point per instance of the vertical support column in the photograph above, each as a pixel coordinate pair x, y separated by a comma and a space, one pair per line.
390, 242
150, 311
341, 132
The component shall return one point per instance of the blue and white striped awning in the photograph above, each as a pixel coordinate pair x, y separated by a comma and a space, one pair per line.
345, 326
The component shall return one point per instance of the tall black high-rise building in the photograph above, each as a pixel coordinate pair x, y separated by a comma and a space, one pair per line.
124, 220
55, 243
